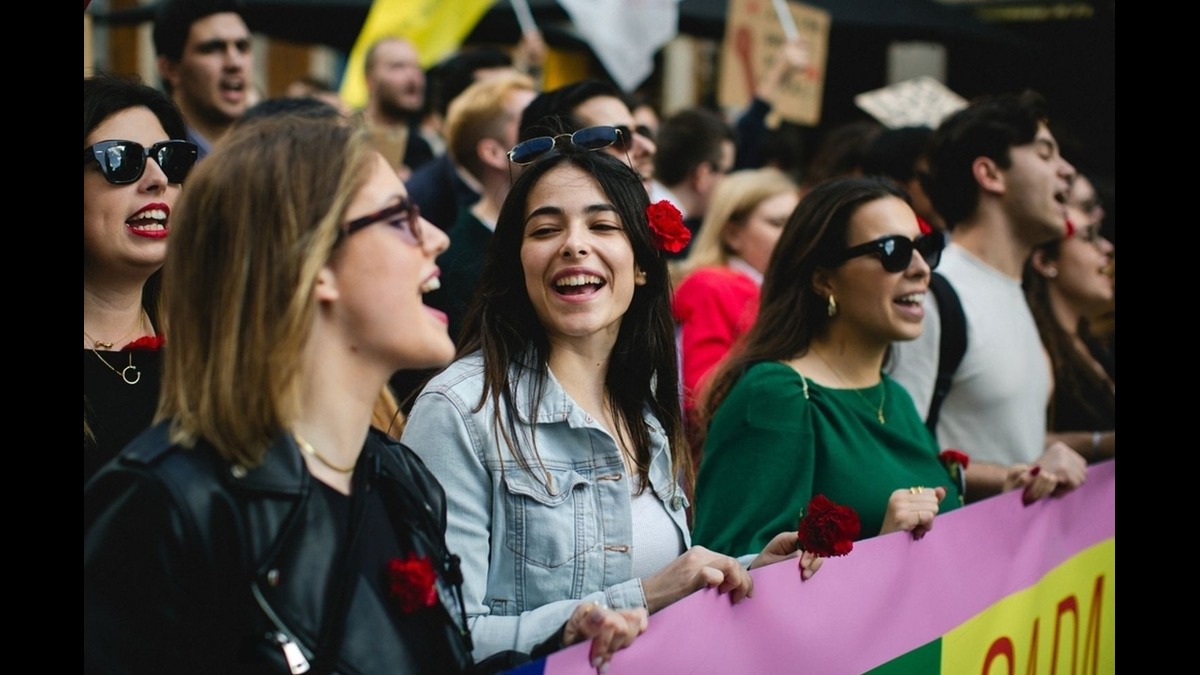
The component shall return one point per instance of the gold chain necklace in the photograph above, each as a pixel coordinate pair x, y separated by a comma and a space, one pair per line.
882, 398
129, 374
312, 452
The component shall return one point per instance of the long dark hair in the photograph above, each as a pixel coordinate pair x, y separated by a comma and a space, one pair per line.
502, 323
1074, 376
791, 313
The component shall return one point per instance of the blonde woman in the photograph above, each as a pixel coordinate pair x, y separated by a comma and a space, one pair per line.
262, 525
717, 285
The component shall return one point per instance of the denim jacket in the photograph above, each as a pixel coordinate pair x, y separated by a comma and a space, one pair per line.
533, 546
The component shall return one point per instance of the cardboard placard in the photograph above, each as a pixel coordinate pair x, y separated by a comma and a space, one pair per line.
753, 40
921, 101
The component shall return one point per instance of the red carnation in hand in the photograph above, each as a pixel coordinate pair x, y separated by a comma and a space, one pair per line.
411, 582
956, 462
666, 222
950, 457
828, 529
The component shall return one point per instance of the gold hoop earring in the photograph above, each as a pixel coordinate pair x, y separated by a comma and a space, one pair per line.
832, 309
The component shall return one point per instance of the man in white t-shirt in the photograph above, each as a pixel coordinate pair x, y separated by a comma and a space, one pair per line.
998, 180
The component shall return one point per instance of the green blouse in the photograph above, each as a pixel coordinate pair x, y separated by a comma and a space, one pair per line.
778, 439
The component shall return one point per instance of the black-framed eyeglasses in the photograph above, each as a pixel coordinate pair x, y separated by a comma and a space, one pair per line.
124, 162
895, 251
588, 138
403, 215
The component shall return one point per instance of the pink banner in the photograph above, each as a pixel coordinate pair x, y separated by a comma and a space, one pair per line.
996, 587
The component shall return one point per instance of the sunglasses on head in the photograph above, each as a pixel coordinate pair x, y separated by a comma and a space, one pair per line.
588, 138
895, 252
404, 216
124, 162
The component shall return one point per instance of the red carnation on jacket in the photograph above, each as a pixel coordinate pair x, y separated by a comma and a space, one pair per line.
828, 529
411, 582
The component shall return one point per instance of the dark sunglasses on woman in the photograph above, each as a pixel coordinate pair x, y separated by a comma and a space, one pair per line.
588, 138
124, 162
895, 251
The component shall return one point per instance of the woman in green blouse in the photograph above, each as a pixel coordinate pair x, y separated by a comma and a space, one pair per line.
803, 407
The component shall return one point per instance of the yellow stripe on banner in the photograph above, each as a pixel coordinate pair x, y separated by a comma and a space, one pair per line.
1063, 624
435, 27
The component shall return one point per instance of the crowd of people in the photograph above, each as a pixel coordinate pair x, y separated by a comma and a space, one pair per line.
364, 393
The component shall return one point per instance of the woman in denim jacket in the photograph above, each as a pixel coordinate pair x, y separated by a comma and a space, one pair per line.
557, 433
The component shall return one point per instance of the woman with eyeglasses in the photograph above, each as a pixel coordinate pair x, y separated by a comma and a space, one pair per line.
1067, 283
262, 524
557, 432
802, 407
134, 162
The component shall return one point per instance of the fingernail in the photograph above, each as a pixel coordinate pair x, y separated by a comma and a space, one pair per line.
1035, 471
596, 661
604, 668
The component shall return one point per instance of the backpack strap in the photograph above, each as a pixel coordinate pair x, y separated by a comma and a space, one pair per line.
951, 348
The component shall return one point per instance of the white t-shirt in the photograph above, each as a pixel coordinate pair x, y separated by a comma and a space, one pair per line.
996, 408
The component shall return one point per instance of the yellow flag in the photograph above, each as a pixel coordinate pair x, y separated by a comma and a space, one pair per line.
435, 27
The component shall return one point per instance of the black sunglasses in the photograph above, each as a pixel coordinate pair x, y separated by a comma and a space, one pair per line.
404, 216
588, 138
124, 162
895, 252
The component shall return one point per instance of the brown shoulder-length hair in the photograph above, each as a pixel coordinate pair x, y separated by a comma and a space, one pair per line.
502, 323
257, 222
791, 312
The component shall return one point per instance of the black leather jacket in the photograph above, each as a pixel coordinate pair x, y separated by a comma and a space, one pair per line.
192, 564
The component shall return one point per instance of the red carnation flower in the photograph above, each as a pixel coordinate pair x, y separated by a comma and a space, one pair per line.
950, 456
411, 582
956, 462
666, 222
148, 342
828, 529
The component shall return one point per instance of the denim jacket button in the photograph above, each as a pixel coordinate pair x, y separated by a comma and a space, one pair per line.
676, 503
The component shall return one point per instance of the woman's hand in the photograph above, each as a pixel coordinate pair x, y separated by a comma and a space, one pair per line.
697, 568
610, 630
912, 510
1058, 471
783, 547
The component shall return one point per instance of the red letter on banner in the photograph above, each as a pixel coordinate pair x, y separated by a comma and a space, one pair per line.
1000, 647
1067, 604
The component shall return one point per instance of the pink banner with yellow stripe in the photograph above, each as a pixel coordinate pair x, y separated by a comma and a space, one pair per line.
997, 588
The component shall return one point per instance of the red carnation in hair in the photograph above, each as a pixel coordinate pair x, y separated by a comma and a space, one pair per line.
666, 222
924, 226
828, 529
